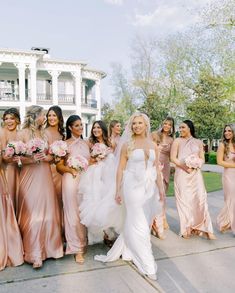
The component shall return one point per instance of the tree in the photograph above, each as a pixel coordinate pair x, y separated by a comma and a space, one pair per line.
209, 110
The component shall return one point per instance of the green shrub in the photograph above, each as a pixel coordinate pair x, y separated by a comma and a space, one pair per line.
206, 157
212, 158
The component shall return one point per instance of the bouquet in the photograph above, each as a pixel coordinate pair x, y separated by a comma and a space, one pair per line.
16, 148
58, 149
99, 151
193, 161
36, 145
78, 163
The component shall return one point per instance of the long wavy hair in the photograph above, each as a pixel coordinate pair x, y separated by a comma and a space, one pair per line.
131, 134
93, 139
227, 141
60, 117
191, 127
30, 120
69, 123
160, 131
14, 112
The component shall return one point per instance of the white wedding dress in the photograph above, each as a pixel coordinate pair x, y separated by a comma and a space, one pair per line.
99, 211
141, 200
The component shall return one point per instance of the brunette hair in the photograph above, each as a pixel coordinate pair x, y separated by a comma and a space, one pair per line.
59, 115
191, 127
69, 123
104, 129
14, 112
160, 131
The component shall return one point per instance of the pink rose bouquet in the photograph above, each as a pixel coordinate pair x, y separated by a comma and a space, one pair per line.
16, 148
193, 161
99, 151
58, 149
78, 163
36, 145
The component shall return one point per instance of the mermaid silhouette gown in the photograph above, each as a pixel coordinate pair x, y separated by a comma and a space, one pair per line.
141, 200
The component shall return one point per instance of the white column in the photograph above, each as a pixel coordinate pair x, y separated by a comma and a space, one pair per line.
78, 98
54, 74
98, 98
21, 73
33, 84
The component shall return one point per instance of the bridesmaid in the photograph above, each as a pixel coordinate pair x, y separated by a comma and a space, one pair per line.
11, 252
55, 131
75, 232
115, 129
164, 139
11, 119
38, 218
226, 159
190, 192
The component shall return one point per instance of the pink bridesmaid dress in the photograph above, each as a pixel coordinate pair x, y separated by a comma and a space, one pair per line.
11, 249
12, 172
164, 159
190, 192
75, 232
38, 213
226, 218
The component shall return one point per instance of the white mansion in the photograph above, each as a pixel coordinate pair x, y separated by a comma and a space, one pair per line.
33, 78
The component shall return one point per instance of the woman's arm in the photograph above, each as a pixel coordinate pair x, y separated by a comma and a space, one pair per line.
159, 182
62, 168
220, 157
174, 157
121, 168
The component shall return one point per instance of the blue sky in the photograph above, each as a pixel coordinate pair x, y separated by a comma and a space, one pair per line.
96, 31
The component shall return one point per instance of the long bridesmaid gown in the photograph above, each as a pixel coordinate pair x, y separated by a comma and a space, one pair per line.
190, 192
141, 199
75, 232
226, 218
56, 177
12, 172
38, 215
11, 249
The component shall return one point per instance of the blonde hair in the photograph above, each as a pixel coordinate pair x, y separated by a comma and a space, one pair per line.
30, 120
131, 139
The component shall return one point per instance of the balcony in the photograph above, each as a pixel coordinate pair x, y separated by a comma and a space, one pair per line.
66, 99
89, 103
12, 95
44, 98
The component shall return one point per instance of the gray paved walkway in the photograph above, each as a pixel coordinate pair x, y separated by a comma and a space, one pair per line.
194, 265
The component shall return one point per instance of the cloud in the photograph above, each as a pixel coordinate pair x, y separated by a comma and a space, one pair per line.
164, 15
114, 2
173, 15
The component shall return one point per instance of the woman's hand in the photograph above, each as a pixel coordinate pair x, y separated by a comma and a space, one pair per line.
118, 198
74, 172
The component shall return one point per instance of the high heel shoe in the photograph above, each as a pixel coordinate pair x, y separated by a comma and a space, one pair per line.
156, 233
37, 264
79, 258
211, 236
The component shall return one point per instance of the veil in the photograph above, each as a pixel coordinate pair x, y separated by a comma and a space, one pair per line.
128, 133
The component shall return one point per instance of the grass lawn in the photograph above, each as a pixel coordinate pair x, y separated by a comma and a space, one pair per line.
212, 181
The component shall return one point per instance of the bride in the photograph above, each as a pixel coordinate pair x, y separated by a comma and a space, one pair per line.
137, 186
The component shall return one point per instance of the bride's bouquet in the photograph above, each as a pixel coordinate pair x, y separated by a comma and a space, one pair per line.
193, 161
78, 163
99, 151
58, 149
16, 148
36, 145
